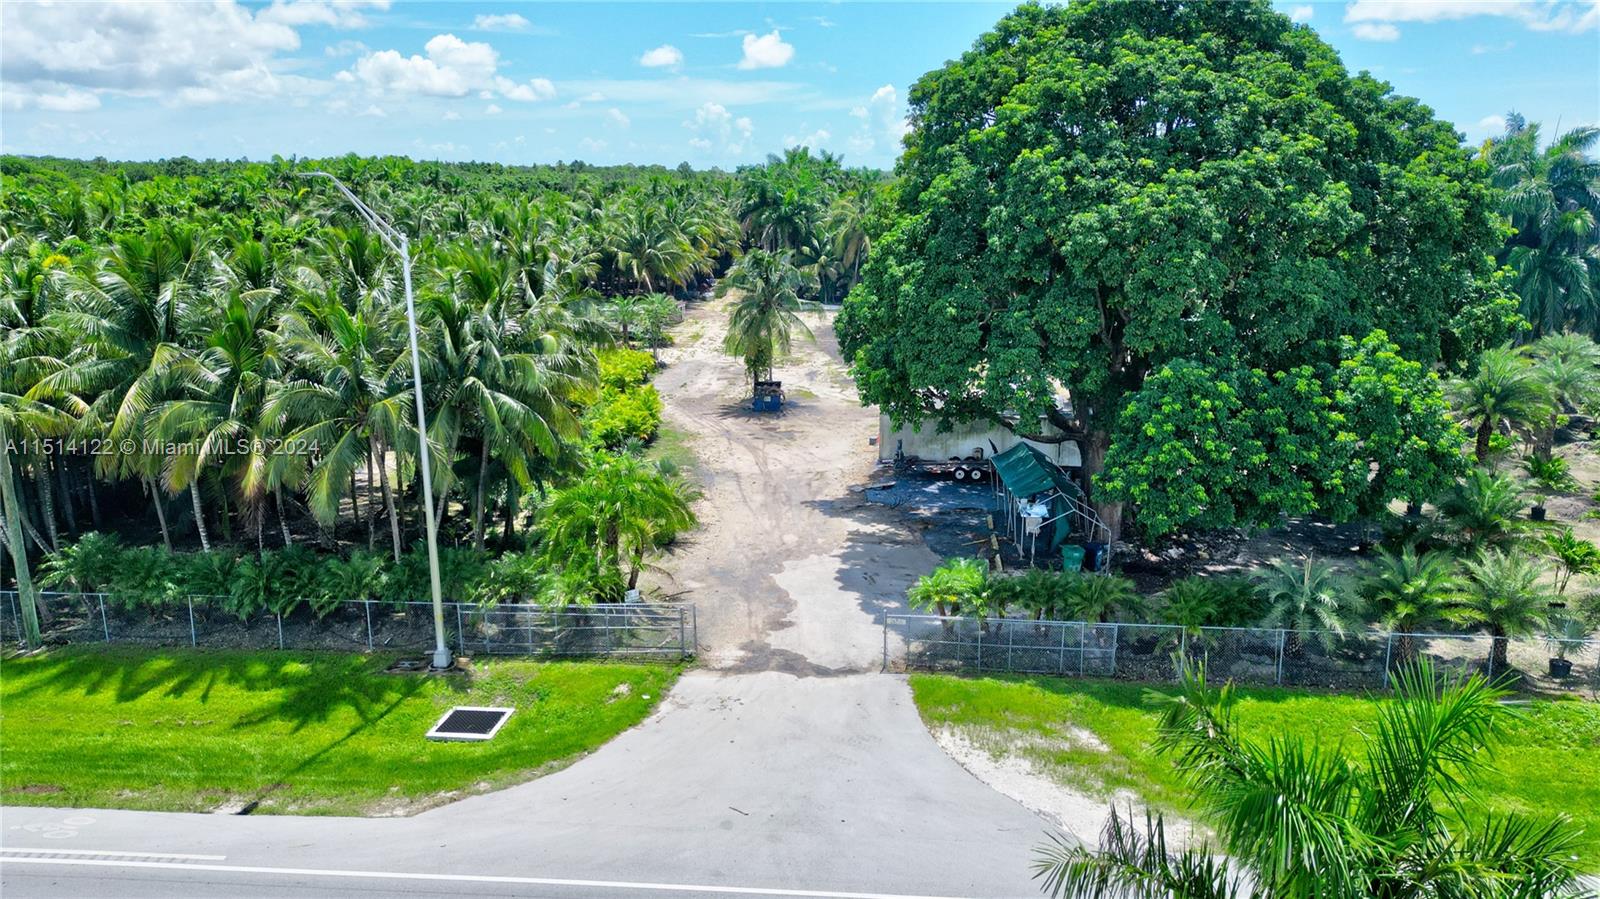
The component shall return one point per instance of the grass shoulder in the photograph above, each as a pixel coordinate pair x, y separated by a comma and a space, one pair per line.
299, 733
1095, 737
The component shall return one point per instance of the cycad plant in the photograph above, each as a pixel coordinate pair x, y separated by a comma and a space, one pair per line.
1484, 511
1503, 389
1408, 592
1308, 596
1296, 820
957, 585
1506, 596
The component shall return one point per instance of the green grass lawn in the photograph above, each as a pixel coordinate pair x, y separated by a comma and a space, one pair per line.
1549, 760
302, 733
675, 446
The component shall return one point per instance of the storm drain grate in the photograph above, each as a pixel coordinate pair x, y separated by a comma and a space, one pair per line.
465, 722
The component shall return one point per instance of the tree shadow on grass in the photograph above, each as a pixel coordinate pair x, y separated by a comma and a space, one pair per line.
300, 688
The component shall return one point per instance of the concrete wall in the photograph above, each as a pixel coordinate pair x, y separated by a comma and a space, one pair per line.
932, 446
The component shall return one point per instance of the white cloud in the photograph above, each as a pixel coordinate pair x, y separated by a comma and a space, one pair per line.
346, 48
1302, 13
452, 68
1494, 124
1369, 31
374, 112
590, 145
715, 128
55, 54
766, 52
333, 13
492, 109
663, 56
534, 89
506, 22
815, 140
1538, 15
882, 119
685, 93
1481, 49
618, 118
450, 115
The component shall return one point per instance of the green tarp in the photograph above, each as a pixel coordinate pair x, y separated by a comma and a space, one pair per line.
1025, 472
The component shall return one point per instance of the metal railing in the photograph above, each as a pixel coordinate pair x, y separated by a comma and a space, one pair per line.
1259, 656
634, 630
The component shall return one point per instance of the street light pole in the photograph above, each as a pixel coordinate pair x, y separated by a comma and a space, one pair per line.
396, 240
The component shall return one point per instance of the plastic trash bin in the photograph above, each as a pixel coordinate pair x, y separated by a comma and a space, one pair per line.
1071, 557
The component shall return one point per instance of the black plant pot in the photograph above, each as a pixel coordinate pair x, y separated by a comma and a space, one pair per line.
1560, 667
1537, 513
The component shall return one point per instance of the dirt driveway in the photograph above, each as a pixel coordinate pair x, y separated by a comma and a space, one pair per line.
790, 568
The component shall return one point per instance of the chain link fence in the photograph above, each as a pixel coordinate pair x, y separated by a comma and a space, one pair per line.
634, 630
1149, 653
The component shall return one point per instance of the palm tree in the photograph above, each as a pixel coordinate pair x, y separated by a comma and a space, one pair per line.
1483, 510
649, 250
1295, 819
135, 319
1504, 594
223, 393
507, 375
352, 403
622, 508
1573, 555
1502, 389
766, 316
1552, 198
955, 586
1309, 595
1099, 597
657, 311
628, 312
1409, 592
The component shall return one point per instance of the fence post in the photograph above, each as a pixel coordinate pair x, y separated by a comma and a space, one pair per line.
885, 638
980, 644
1283, 637
193, 639
1083, 648
366, 604
104, 624
682, 634
280, 628
1113, 649
461, 633
694, 629
1388, 650
1011, 639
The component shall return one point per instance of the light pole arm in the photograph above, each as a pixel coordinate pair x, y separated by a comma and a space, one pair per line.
397, 241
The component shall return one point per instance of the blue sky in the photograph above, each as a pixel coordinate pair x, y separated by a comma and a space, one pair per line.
711, 84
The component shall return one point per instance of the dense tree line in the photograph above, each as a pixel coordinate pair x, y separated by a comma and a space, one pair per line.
1236, 274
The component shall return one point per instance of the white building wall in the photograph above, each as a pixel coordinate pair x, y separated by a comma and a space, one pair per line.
930, 445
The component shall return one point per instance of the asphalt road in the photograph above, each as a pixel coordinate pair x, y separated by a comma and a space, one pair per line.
786, 767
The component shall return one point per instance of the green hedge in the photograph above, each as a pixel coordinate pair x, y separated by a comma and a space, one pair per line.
283, 580
620, 416
624, 368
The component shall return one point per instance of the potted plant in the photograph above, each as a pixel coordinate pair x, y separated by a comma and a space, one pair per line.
1550, 476
1566, 632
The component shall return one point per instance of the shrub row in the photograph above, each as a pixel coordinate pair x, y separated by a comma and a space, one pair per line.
283, 580
626, 408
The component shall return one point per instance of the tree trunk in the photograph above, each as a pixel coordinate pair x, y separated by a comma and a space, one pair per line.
283, 522
47, 506
94, 499
19, 551
372, 526
477, 506
388, 499
510, 532
1485, 431
1499, 660
64, 489
161, 512
199, 515
1094, 447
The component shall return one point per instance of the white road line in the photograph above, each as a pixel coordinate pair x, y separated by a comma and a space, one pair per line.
467, 878
51, 850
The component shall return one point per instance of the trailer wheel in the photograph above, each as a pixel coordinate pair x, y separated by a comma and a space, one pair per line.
960, 474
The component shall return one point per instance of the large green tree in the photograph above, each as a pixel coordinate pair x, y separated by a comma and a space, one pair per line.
1099, 190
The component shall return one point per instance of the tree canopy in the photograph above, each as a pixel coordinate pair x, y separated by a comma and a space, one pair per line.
1100, 193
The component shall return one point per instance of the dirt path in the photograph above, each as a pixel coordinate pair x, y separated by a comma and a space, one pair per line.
790, 568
